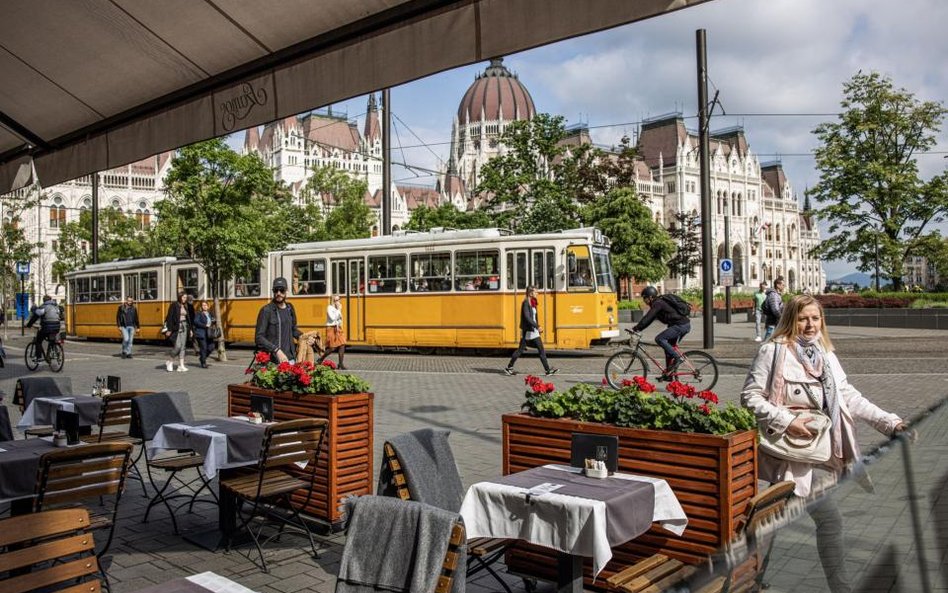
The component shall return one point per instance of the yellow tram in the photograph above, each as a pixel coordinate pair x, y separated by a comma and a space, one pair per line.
439, 289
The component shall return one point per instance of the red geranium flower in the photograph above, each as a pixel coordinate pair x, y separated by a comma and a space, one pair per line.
284, 367
709, 396
642, 384
262, 357
705, 409
329, 363
306, 379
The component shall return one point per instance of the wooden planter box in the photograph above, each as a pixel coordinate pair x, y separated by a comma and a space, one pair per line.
714, 478
345, 460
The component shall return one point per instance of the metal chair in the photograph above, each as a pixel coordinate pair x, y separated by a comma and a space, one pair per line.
72, 476
149, 412
269, 488
660, 573
51, 551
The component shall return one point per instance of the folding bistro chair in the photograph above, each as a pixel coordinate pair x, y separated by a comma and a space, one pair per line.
72, 476
482, 552
368, 550
285, 445
116, 410
48, 552
6, 429
29, 387
659, 572
149, 412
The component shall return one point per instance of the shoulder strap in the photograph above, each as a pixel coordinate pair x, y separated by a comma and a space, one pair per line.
770, 375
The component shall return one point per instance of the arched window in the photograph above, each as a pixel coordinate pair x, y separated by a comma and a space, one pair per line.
86, 203
115, 204
143, 217
57, 213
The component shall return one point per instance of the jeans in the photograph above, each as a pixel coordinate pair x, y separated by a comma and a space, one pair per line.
770, 329
829, 543
669, 338
758, 317
524, 343
128, 336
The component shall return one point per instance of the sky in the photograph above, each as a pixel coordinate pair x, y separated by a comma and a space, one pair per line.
785, 58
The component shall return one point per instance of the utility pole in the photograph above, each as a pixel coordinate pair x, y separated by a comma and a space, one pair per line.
386, 162
704, 150
727, 255
95, 217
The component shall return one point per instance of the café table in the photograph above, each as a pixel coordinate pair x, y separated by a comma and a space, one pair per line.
225, 443
42, 410
205, 582
558, 507
19, 465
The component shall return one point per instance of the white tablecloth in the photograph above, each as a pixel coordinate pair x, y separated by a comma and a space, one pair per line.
569, 524
213, 447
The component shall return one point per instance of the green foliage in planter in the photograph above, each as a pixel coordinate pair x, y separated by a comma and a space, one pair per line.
303, 377
634, 304
638, 405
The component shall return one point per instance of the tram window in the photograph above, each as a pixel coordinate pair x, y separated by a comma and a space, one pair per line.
477, 270
148, 286
580, 276
387, 273
247, 284
309, 276
113, 288
82, 290
604, 277
188, 281
131, 285
550, 270
97, 289
431, 272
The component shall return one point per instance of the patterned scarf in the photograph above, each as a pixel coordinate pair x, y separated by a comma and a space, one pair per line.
811, 357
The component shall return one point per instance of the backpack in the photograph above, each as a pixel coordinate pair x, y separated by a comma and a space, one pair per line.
678, 304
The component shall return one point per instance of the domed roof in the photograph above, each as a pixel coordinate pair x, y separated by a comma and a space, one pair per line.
496, 91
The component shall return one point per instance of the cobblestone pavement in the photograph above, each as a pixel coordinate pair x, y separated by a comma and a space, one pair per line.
904, 371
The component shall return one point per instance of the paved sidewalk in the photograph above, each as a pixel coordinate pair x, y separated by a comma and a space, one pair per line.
901, 370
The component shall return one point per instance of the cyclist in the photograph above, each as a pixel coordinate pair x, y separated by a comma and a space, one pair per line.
678, 324
49, 314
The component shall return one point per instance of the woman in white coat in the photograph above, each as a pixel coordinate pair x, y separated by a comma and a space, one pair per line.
805, 371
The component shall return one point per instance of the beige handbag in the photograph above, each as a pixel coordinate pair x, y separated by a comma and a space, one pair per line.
813, 449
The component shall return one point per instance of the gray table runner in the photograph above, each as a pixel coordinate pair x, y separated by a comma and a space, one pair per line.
244, 439
630, 504
19, 462
44, 409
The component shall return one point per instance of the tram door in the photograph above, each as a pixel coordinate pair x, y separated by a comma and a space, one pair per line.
348, 277
534, 267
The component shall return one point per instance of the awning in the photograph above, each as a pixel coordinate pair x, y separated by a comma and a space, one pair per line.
94, 84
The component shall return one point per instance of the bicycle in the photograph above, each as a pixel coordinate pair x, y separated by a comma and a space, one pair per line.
55, 355
697, 368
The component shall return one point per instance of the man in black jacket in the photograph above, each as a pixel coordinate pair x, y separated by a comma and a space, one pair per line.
127, 321
530, 331
276, 326
678, 326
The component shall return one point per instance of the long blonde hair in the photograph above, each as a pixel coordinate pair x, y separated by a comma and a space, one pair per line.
787, 326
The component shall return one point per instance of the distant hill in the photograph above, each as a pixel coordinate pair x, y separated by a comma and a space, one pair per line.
859, 278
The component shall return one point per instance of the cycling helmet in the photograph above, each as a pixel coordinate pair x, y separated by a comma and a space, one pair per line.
649, 292
279, 284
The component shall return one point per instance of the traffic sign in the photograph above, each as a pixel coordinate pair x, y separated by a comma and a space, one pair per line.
23, 268
727, 266
726, 275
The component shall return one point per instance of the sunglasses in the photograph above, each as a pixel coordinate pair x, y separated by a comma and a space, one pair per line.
279, 290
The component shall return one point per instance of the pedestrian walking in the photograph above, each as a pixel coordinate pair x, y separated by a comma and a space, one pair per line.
795, 377
530, 332
759, 297
335, 338
178, 328
203, 321
126, 318
772, 306
276, 326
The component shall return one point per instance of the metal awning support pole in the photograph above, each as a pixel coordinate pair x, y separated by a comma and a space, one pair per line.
95, 217
386, 162
707, 269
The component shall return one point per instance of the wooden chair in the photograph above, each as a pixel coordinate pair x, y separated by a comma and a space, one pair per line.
50, 551
284, 445
483, 551
659, 573
70, 476
116, 410
145, 426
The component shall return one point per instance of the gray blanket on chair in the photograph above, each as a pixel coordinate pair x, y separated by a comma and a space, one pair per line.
430, 469
151, 410
396, 545
29, 387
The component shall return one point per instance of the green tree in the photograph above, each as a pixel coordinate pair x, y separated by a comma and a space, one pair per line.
869, 179
532, 174
640, 246
351, 218
447, 215
686, 235
119, 237
14, 246
222, 210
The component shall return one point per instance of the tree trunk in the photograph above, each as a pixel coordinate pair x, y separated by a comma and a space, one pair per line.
221, 347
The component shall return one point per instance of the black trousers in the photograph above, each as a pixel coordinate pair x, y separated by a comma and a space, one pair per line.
524, 344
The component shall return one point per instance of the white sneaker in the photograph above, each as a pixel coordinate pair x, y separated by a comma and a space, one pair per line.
182, 368
758, 339
169, 366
